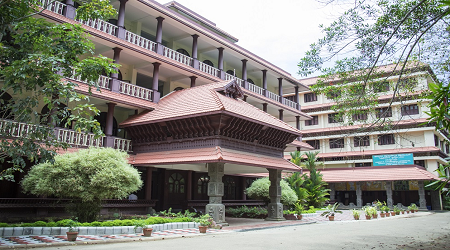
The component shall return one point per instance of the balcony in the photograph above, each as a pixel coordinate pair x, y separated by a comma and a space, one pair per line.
147, 44
69, 136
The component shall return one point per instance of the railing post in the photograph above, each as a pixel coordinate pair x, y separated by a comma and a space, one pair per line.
70, 10
159, 46
121, 20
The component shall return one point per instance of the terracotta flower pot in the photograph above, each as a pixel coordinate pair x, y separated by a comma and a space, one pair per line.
417, 210
407, 212
299, 216
202, 229
331, 218
368, 217
382, 215
387, 214
374, 216
72, 236
147, 232
403, 212
412, 211
393, 213
356, 217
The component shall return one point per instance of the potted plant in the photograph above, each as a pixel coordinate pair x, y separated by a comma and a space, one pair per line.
374, 212
411, 209
147, 231
408, 209
330, 211
72, 227
414, 207
356, 214
367, 212
397, 210
290, 215
205, 221
298, 210
386, 211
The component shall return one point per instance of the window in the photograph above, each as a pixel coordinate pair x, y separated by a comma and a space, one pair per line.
420, 163
176, 184
381, 87
361, 141
250, 81
386, 139
407, 84
384, 112
229, 186
202, 184
363, 164
314, 143
333, 94
313, 121
410, 110
436, 141
360, 117
184, 52
334, 118
310, 97
337, 143
208, 62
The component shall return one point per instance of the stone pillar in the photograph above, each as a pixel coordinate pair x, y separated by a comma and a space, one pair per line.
121, 20
159, 46
332, 188
215, 208
280, 116
264, 81
156, 94
245, 98
70, 10
265, 107
422, 200
280, 89
359, 200
193, 81
115, 84
275, 208
390, 201
109, 140
296, 97
244, 73
195, 63
220, 66
148, 184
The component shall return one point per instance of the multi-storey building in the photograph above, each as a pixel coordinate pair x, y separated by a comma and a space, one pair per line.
186, 100
347, 150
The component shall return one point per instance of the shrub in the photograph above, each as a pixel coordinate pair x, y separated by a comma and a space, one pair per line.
63, 223
249, 212
260, 190
3, 224
40, 223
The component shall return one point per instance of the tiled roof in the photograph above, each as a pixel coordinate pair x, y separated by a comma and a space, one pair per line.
212, 154
204, 100
302, 145
383, 173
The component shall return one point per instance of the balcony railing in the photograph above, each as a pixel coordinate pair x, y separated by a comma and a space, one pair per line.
140, 41
122, 144
136, 91
78, 139
52, 5
111, 29
16, 129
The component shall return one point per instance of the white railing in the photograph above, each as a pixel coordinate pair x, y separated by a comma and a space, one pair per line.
140, 41
16, 129
240, 82
135, 91
78, 139
122, 144
273, 96
208, 69
103, 81
172, 54
100, 25
255, 89
289, 103
53, 6
229, 77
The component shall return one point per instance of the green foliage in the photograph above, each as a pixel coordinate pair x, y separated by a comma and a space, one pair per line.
446, 202
204, 220
331, 210
444, 179
260, 190
87, 176
248, 212
314, 184
33, 67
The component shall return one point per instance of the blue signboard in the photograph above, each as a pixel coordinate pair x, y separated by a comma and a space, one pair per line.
395, 159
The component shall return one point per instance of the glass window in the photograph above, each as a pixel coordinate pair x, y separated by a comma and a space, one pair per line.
314, 143
386, 139
384, 112
337, 143
410, 109
334, 118
310, 97
361, 141
313, 121
176, 184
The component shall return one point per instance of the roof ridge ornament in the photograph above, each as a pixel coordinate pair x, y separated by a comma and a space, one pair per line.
232, 90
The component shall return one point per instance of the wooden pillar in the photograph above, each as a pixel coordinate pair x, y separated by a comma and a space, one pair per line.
220, 66
148, 184
296, 98
193, 78
280, 116
109, 140
244, 186
264, 83
244, 73
195, 63
159, 46
265, 107
280, 89
156, 94
115, 84
121, 20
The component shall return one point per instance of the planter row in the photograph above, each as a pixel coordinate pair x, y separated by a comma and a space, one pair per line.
19, 231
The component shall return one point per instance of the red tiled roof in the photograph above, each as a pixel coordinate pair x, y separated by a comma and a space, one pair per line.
204, 100
301, 144
381, 173
380, 152
212, 154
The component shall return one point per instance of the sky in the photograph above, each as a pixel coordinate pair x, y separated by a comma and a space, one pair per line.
279, 31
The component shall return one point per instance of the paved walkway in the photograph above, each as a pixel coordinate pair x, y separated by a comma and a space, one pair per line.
236, 224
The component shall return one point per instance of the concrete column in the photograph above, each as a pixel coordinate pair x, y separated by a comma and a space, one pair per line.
422, 200
359, 200
297, 122
296, 98
156, 94
195, 63
193, 81
275, 208
244, 73
220, 66
159, 46
109, 140
280, 116
390, 201
245, 98
244, 186
189, 185
121, 20
215, 208
265, 107
280, 89
70, 10
115, 84
332, 188
264, 83
148, 184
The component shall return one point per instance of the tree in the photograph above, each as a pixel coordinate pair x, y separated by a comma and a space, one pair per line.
297, 180
36, 57
87, 177
312, 184
405, 34
260, 190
